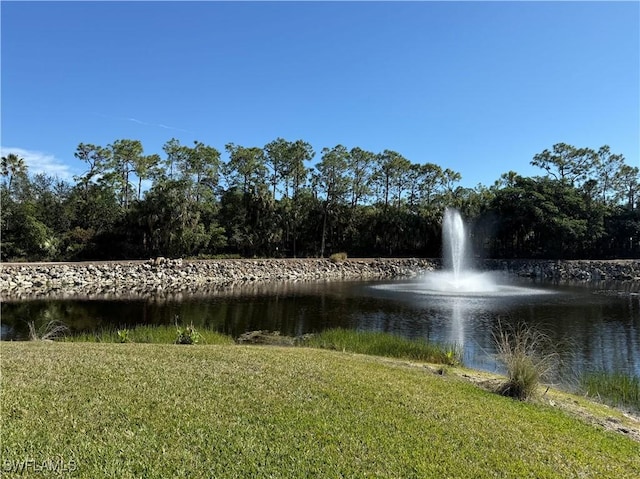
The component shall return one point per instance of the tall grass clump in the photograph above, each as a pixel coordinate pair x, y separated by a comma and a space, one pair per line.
526, 355
616, 388
385, 344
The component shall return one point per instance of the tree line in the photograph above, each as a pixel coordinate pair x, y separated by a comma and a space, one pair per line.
267, 202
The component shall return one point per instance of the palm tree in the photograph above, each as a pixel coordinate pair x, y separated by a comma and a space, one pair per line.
13, 165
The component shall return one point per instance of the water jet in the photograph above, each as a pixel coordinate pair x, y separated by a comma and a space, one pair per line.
457, 278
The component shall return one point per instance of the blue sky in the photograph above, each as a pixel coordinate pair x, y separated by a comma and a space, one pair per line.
478, 87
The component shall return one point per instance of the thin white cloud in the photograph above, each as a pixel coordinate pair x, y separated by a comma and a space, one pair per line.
40, 162
158, 125
145, 123
166, 127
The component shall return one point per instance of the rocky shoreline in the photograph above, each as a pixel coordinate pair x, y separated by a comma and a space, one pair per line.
576, 270
166, 277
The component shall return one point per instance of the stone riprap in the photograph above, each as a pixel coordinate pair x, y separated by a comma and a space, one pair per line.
167, 277
574, 270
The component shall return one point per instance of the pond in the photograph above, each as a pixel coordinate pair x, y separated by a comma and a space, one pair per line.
594, 326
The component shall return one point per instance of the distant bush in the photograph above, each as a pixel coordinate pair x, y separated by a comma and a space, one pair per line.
187, 335
338, 257
204, 256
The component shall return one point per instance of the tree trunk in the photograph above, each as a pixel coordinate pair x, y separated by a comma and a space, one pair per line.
324, 232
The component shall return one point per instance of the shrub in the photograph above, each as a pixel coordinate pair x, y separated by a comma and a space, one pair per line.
524, 352
187, 335
338, 257
123, 335
208, 256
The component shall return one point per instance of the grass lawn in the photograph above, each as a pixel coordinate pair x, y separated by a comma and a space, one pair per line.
160, 411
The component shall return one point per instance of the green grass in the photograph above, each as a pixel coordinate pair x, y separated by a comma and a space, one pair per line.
159, 334
157, 411
385, 344
615, 388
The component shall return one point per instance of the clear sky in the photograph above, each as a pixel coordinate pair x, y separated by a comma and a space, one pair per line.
478, 87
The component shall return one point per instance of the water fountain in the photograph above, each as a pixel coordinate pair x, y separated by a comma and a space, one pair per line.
457, 278
454, 242
458, 294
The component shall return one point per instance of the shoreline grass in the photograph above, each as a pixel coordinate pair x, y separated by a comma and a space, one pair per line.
153, 333
359, 342
158, 411
385, 344
616, 388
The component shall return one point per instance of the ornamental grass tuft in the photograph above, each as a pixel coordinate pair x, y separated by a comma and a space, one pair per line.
524, 352
47, 332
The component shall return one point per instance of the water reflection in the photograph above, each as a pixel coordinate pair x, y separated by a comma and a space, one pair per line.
457, 323
594, 327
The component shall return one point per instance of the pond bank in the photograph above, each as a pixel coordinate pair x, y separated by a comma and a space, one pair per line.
577, 270
305, 411
167, 277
